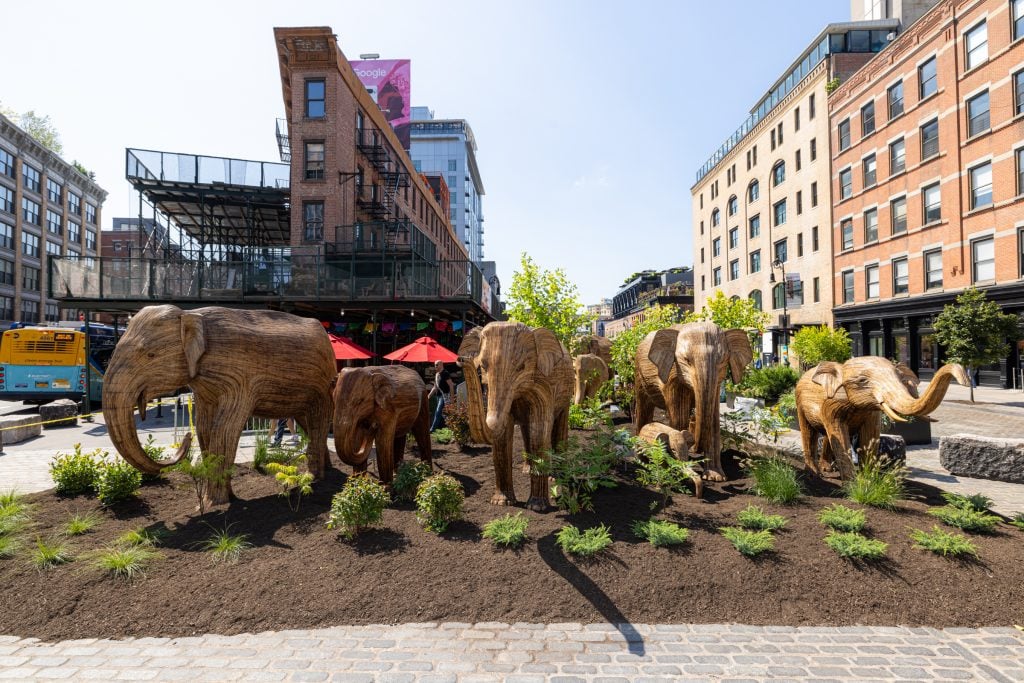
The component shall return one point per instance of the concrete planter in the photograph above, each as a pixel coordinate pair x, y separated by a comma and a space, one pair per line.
916, 433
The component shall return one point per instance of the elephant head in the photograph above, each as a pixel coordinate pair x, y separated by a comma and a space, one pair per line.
159, 353
360, 397
875, 383
591, 372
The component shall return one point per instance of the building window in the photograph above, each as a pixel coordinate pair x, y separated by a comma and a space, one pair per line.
779, 296
54, 249
870, 171
983, 259
6, 236
755, 261
900, 276
981, 185
314, 161
846, 228
313, 221
780, 212
773, 139
74, 232
844, 135
846, 183
716, 277
933, 269
871, 281
894, 96
716, 218
733, 206
755, 299
734, 269
778, 173
6, 164
978, 114
54, 191
1017, 17
814, 149
897, 157
734, 238
796, 119
798, 160
29, 244
30, 211
781, 251
29, 311
1020, 171
847, 286
928, 83
316, 92
90, 240
29, 177
799, 202
898, 215
930, 139
90, 213
755, 226
54, 222
871, 226
799, 244
6, 272
867, 119
52, 313
6, 199
931, 197
6, 308
754, 191
30, 278
817, 289
716, 247
814, 238
976, 45
74, 204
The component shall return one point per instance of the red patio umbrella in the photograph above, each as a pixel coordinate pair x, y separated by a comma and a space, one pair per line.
346, 349
423, 350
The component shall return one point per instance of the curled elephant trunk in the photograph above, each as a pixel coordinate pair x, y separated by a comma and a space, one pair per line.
353, 448
479, 428
899, 402
118, 413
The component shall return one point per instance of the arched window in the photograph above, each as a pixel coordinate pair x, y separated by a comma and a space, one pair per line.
753, 191
778, 172
733, 205
779, 296
755, 298
715, 218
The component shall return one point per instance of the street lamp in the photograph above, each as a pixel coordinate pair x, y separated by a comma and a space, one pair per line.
778, 263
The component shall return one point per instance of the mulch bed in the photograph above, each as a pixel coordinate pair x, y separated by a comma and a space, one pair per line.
301, 575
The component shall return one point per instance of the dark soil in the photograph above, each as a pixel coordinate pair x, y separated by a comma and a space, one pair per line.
301, 575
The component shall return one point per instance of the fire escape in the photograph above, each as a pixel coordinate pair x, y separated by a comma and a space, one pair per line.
378, 201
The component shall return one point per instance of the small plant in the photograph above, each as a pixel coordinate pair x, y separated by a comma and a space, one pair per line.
154, 453
760, 425
359, 504
9, 545
50, 553
1018, 520
832, 85
14, 513
576, 418
75, 473
753, 517
842, 518
266, 455
943, 543
456, 418
207, 469
579, 470
118, 481
225, 547
443, 435
661, 471
975, 502
82, 524
140, 537
749, 543
876, 482
125, 561
660, 533
508, 531
588, 415
585, 544
292, 482
775, 480
968, 520
854, 546
409, 477
439, 502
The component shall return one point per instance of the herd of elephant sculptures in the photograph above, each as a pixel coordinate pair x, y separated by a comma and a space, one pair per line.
270, 364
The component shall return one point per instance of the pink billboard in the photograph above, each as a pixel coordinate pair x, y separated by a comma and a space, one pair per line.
387, 81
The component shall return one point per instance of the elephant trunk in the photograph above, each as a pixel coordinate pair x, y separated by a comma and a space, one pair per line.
119, 398
899, 401
707, 435
478, 424
353, 445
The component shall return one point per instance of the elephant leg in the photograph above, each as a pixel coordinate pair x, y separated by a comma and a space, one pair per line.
227, 425
869, 433
528, 451
686, 419
421, 432
809, 442
399, 450
539, 483
316, 449
839, 443
644, 411
501, 453
386, 441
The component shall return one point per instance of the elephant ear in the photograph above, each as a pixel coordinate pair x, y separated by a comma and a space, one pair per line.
193, 339
830, 376
383, 390
662, 352
549, 350
740, 353
470, 346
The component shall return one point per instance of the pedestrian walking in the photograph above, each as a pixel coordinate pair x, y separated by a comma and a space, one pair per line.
444, 389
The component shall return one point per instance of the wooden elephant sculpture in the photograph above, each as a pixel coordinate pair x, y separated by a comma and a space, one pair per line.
836, 400
676, 443
238, 363
529, 381
590, 373
680, 370
381, 404
598, 346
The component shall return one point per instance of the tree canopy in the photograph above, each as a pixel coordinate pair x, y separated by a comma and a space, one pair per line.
730, 313
544, 298
813, 345
43, 130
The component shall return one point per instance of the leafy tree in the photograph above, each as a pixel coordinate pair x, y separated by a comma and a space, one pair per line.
729, 313
43, 130
813, 345
544, 298
974, 331
625, 344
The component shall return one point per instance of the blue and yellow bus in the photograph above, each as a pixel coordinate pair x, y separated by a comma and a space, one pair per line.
42, 364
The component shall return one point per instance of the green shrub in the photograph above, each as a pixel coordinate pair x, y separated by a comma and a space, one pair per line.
443, 435
291, 481
140, 537
82, 524
813, 345
50, 553
854, 546
508, 531
661, 471
753, 517
842, 518
876, 481
588, 415
409, 477
660, 533
118, 481
359, 504
968, 520
266, 455
975, 502
579, 470
585, 544
439, 502
76, 473
224, 546
943, 543
125, 561
768, 383
1018, 520
207, 469
775, 480
456, 418
749, 543
787, 406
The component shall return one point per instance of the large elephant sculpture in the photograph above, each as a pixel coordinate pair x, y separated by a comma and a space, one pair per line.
680, 369
529, 382
238, 363
837, 400
381, 404
591, 372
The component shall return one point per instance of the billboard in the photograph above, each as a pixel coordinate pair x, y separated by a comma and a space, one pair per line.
387, 81
794, 290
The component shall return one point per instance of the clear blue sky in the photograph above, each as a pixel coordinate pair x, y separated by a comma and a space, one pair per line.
591, 117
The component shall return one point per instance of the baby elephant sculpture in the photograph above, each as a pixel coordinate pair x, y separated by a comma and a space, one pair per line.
836, 400
591, 373
238, 363
381, 404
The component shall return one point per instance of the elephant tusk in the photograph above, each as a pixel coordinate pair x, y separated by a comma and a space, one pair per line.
893, 415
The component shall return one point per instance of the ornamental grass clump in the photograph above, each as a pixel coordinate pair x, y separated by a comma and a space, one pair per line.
508, 531
50, 553
749, 543
360, 504
140, 537
584, 543
660, 533
117, 482
1018, 520
9, 546
439, 502
852, 545
842, 518
14, 514
125, 561
224, 546
754, 518
76, 473
775, 480
408, 479
876, 482
82, 524
944, 543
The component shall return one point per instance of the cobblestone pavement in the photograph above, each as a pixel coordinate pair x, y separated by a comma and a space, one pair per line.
563, 653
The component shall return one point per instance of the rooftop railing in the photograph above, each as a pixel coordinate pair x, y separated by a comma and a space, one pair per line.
142, 164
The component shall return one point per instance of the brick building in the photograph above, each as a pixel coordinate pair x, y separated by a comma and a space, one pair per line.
927, 146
